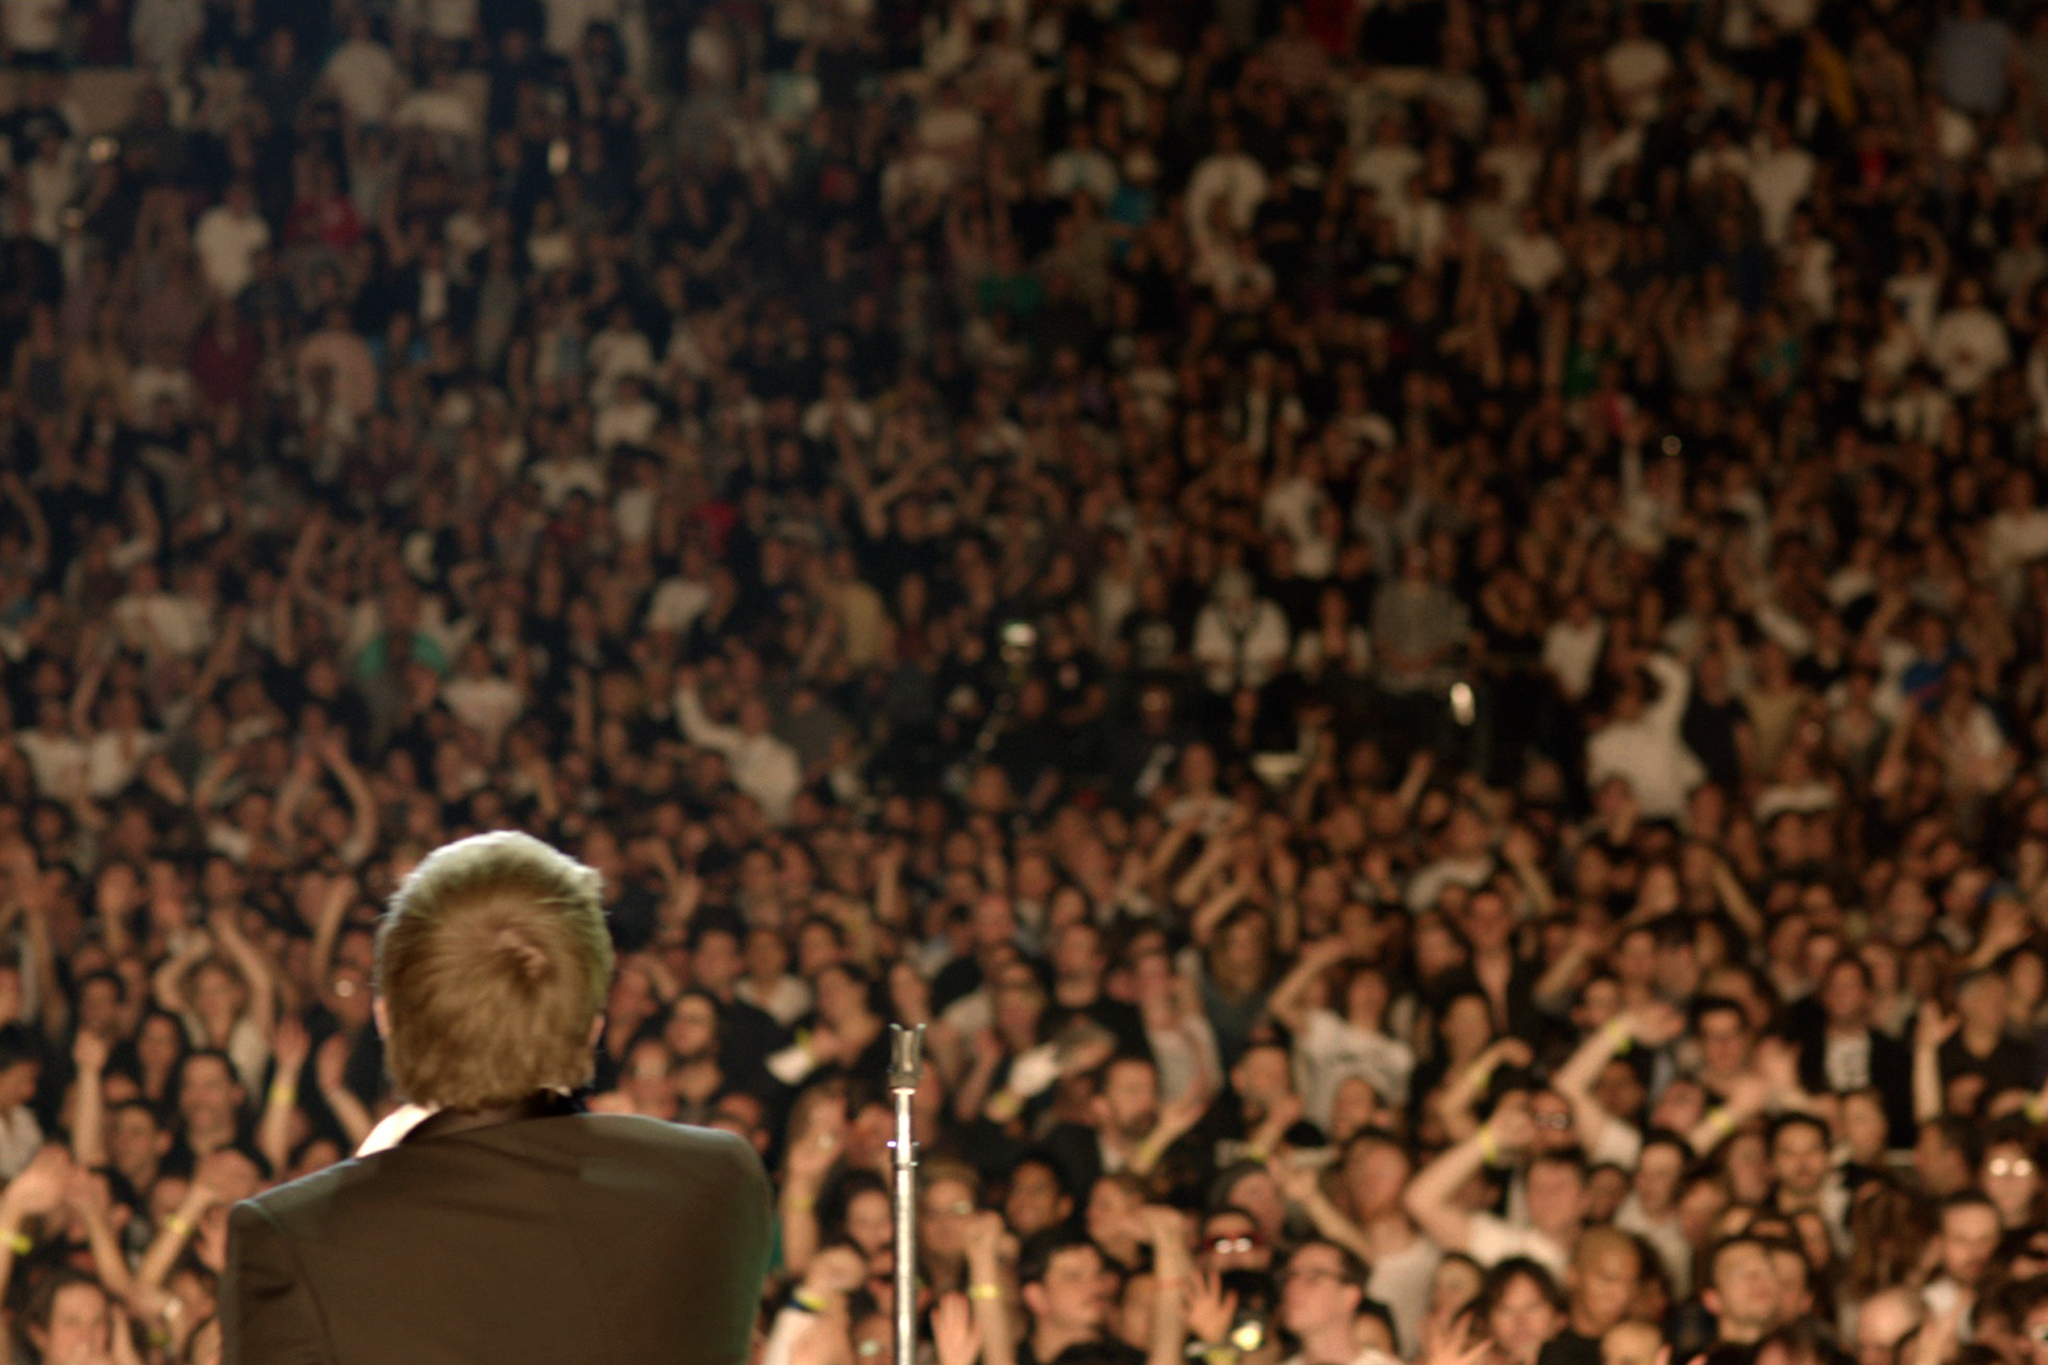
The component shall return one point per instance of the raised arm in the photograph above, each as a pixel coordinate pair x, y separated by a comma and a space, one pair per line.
361, 839
1931, 1028
256, 969
274, 1129
89, 1102
987, 1290
1287, 1002
1461, 1092
330, 1067
1431, 1196
1650, 1026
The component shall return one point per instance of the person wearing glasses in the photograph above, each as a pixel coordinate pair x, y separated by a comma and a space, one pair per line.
1231, 1240
1322, 1305
2010, 1176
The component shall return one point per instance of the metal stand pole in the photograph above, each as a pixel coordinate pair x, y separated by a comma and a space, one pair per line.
906, 1064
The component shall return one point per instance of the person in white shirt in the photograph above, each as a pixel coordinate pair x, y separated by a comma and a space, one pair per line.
1229, 175
33, 29
1384, 167
1572, 645
1532, 256
1641, 745
762, 766
1241, 639
1556, 1193
56, 757
1969, 343
364, 75
227, 239
1636, 68
1780, 178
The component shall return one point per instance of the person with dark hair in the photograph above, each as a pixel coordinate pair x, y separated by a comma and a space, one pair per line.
21, 1069
1803, 1178
1061, 1276
1967, 1233
1521, 1308
1844, 1052
458, 1219
1738, 1287
1322, 1298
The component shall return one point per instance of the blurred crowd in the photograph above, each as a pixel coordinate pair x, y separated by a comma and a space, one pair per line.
1417, 630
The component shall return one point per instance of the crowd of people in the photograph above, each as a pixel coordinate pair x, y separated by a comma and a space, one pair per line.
1416, 630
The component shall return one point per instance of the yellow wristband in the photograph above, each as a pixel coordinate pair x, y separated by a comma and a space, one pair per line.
984, 1291
1619, 1035
178, 1223
1257, 1153
2033, 1110
284, 1096
807, 1302
1489, 1150
1478, 1074
1720, 1120
21, 1244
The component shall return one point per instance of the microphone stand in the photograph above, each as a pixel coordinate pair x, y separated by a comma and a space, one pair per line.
906, 1064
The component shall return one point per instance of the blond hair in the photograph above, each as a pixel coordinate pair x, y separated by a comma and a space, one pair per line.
492, 965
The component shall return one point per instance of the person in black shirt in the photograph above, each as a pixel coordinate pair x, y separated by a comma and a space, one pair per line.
1600, 1286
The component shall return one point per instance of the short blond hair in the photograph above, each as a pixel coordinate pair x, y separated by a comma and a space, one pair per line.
493, 964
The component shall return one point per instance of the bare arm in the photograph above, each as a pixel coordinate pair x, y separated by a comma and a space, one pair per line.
89, 1104
329, 1065
1430, 1197
256, 969
1172, 1266
1286, 1002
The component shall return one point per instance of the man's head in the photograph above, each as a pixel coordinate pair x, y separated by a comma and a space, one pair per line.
492, 968
1521, 1308
1606, 1269
1724, 1034
1799, 1155
1036, 1198
1127, 1097
1060, 1276
1557, 1194
1741, 1291
68, 1316
1323, 1286
1968, 1237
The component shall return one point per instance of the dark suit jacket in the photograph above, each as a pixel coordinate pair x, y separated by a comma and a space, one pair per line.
597, 1238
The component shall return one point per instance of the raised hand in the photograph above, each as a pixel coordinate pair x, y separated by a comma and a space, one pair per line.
1210, 1308
836, 1270
813, 1155
330, 1064
291, 1046
89, 1054
1932, 1028
41, 1185
955, 1334
1456, 1348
